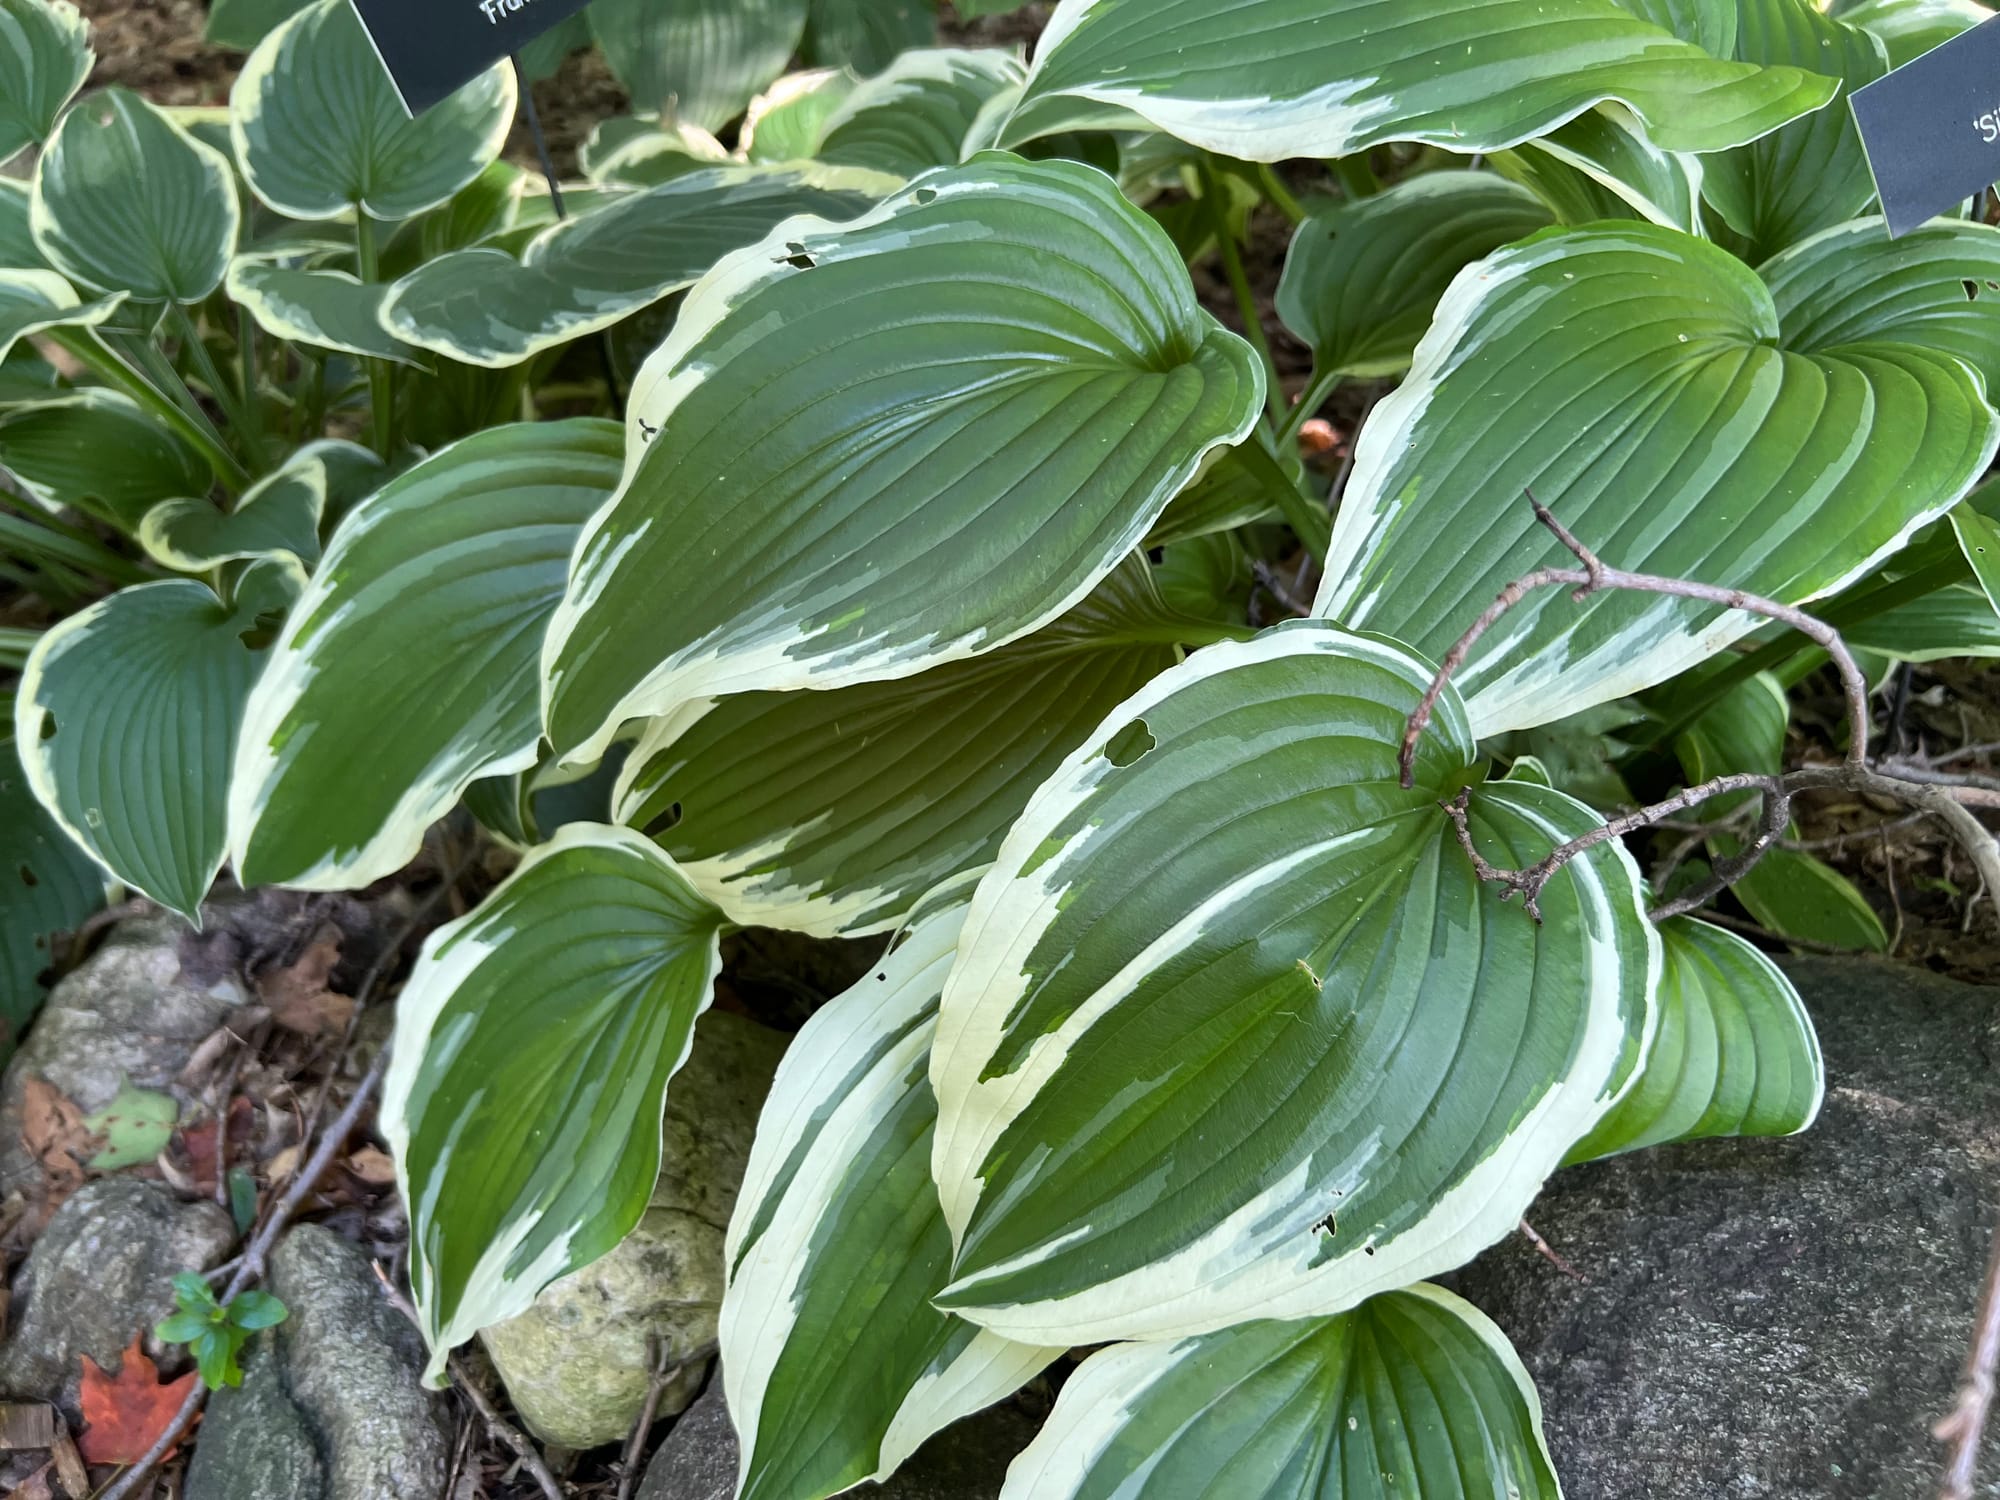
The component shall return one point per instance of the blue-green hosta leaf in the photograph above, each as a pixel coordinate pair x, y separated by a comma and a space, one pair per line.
324, 308
836, 1364
1812, 174
44, 58
895, 443
51, 885
356, 740
242, 24
27, 379
126, 200
1363, 279
18, 250
32, 301
867, 36
533, 1047
1264, 80
697, 60
1601, 166
98, 451
1236, 1031
126, 719
919, 113
832, 812
787, 121
277, 517
1642, 384
1414, 1392
1910, 28
1207, 577
483, 307
1736, 1053
320, 131
667, 150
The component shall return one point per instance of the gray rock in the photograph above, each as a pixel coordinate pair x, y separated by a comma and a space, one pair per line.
1777, 1320
967, 1461
575, 1363
352, 1365
101, 1272
254, 1444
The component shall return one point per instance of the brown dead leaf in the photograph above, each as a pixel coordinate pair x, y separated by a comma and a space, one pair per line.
372, 1166
195, 1146
35, 1486
52, 1128
124, 1414
298, 995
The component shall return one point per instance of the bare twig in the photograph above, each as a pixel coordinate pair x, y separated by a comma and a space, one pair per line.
503, 1430
661, 1374
1966, 1424
1548, 1253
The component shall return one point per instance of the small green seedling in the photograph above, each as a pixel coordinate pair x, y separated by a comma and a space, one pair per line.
216, 1332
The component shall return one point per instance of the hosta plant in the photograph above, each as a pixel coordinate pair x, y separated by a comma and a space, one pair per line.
906, 598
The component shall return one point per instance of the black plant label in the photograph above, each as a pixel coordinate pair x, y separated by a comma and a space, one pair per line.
1932, 128
434, 47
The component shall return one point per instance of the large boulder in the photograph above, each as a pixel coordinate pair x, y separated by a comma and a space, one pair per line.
100, 1275
254, 1443
575, 1363
1778, 1320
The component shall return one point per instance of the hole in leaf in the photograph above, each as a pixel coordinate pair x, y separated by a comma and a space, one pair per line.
48, 728
1129, 744
29, 878
925, 197
800, 258
1971, 289
666, 822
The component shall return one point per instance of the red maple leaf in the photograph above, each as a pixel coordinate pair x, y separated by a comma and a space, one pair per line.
124, 1414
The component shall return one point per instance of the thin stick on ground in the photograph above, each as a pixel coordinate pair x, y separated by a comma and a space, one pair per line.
661, 1374
1963, 1429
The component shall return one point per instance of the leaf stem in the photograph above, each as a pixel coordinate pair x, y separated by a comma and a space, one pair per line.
110, 367
247, 430
1356, 176
1308, 519
1239, 283
381, 374
1281, 196
1319, 390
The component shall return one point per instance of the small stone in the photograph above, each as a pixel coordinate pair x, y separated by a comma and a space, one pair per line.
967, 1461
253, 1443
353, 1366
575, 1364
102, 1272
1777, 1320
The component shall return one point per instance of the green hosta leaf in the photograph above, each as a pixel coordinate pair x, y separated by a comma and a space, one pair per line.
126, 718
1232, 491
135, 1126
1795, 894
1979, 538
242, 24
126, 200
486, 308
98, 451
1601, 166
699, 60
278, 517
1208, 577
44, 58
31, 301
1413, 1393
356, 741
51, 885
1656, 404
787, 121
1812, 174
320, 131
18, 250
1363, 279
668, 149
1264, 80
27, 379
867, 35
1957, 620
895, 443
1709, 24
919, 113
533, 1046
1235, 1030
1938, 286
836, 1364
1736, 1053
832, 812
1910, 28
327, 309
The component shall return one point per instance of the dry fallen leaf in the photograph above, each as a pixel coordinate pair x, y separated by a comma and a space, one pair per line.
124, 1414
298, 996
52, 1128
372, 1166
35, 1486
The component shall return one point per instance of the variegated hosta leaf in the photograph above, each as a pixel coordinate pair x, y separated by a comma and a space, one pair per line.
872, 448
410, 666
1910, 28
1979, 539
44, 58
533, 1047
277, 517
1643, 385
1236, 1031
787, 121
484, 307
126, 719
867, 36
32, 301
837, 1366
1363, 279
1812, 174
832, 812
1415, 1393
700, 60
320, 130
242, 24
18, 250
1231, 491
1709, 24
666, 150
919, 113
1957, 620
324, 308
1735, 1055
1601, 166
1264, 80
27, 379
126, 200
98, 451
51, 886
